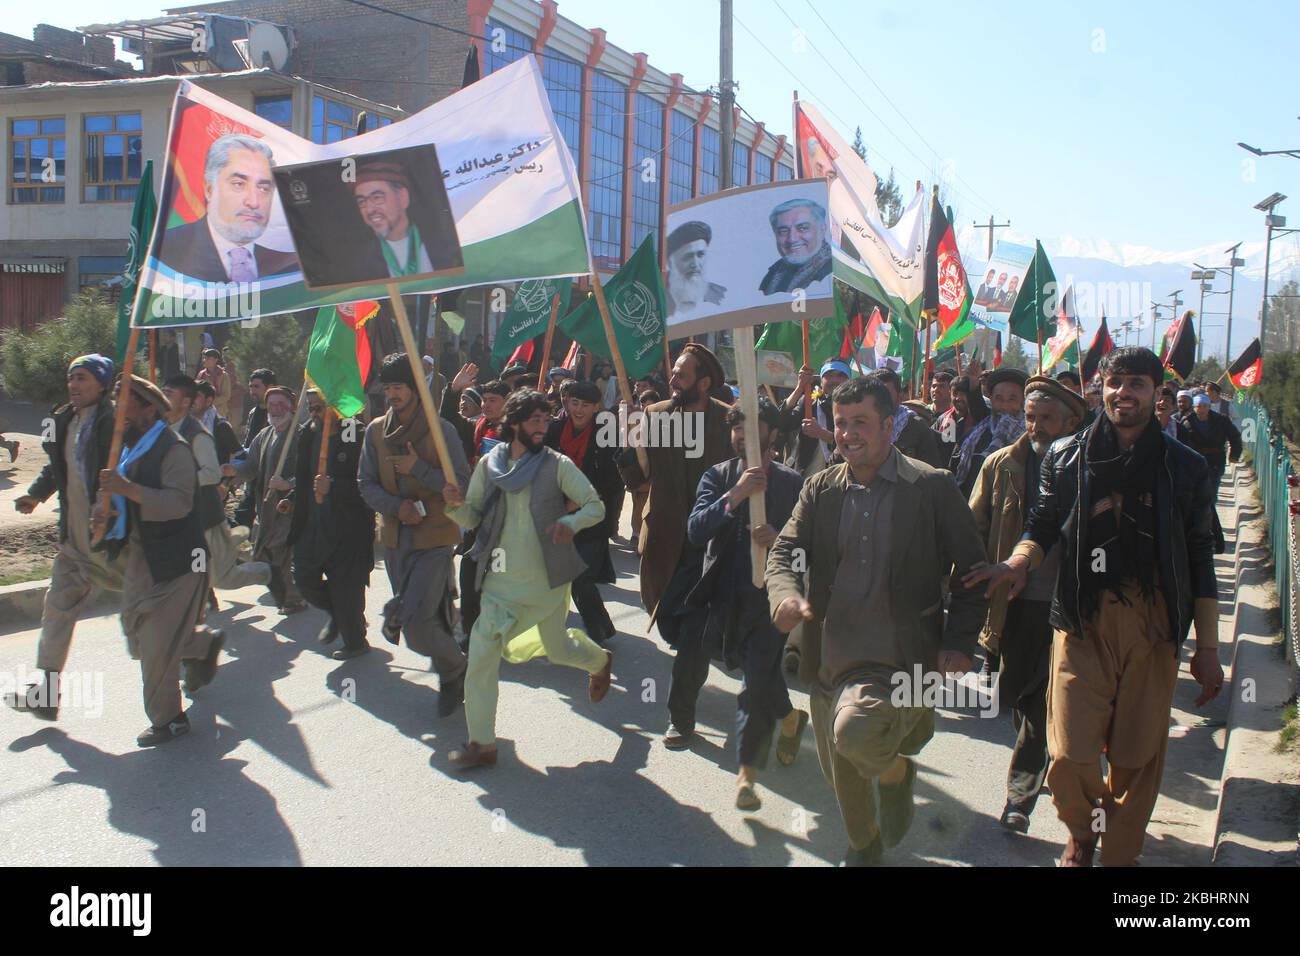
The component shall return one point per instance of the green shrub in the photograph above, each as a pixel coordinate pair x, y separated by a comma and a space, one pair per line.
278, 342
36, 364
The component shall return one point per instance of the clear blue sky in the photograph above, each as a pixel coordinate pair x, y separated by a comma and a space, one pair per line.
1114, 120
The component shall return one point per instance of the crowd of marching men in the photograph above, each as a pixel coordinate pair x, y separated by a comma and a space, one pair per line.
1066, 533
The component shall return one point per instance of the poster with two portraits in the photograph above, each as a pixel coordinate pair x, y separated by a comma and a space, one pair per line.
747, 256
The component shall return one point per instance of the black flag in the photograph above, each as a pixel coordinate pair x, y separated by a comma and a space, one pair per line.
1179, 349
1101, 345
471, 67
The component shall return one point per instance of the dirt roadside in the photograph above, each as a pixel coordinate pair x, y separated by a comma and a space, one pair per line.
27, 542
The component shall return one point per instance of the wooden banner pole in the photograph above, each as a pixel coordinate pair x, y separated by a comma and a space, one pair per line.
546, 349
322, 462
421, 386
807, 396
747, 377
119, 427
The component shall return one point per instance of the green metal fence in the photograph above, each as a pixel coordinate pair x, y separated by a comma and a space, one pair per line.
1274, 474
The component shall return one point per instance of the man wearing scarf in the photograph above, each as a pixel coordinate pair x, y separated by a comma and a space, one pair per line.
263, 463
401, 479
910, 433
1001, 428
83, 431
333, 539
1130, 507
800, 230
155, 506
1020, 631
519, 500
574, 435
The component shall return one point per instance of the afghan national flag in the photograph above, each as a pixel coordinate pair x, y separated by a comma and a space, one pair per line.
853, 334
947, 291
522, 355
137, 247
637, 307
1064, 345
1178, 350
1036, 302
1246, 369
571, 360
338, 355
997, 349
1102, 345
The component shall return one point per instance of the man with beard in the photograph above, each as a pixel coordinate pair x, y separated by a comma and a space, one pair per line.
401, 479
573, 434
738, 614
800, 230
815, 446
271, 535
688, 284
333, 538
83, 431
223, 433
1130, 507
405, 245
224, 571
873, 540
670, 565
1208, 432
155, 507
519, 501
1019, 631
910, 434
239, 192
1001, 428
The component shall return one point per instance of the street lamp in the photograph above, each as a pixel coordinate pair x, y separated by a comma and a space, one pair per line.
1234, 263
1271, 222
1293, 153
1206, 279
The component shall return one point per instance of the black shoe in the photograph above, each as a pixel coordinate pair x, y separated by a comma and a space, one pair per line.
200, 671
329, 633
450, 696
347, 653
34, 699
870, 855
898, 807
678, 740
790, 661
178, 726
392, 630
1014, 820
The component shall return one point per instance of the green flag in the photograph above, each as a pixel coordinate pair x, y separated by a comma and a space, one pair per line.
137, 247
1034, 310
637, 307
529, 314
825, 338
902, 344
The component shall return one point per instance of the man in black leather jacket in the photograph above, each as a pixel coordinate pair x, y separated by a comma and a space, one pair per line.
1131, 508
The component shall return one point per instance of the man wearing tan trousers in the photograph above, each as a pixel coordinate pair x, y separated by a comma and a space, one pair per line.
1131, 508
877, 535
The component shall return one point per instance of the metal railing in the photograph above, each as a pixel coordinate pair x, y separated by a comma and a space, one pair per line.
1279, 494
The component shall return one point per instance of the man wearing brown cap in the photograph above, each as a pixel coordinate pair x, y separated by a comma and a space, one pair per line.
688, 282
155, 505
1004, 424
1020, 630
408, 244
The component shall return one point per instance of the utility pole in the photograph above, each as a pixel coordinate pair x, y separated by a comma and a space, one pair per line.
1233, 262
726, 95
990, 227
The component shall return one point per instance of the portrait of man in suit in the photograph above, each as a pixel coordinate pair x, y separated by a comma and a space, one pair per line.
221, 246
986, 292
1007, 298
800, 230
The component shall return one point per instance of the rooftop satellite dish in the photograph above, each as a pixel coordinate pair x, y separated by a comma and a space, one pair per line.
266, 46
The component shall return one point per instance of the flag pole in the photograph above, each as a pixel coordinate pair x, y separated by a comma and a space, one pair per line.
119, 422
293, 425
807, 396
546, 349
153, 356
323, 459
421, 386
624, 387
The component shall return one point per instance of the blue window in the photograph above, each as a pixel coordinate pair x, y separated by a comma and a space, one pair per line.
739, 164
605, 187
278, 109
762, 168
562, 76
647, 166
113, 147
331, 120
504, 45
783, 172
681, 159
710, 172
37, 166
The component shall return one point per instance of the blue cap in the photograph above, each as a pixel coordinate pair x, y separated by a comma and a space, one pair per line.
1201, 399
561, 371
837, 365
735, 391
100, 366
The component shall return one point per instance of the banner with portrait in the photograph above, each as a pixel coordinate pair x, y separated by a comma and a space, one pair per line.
222, 249
999, 285
747, 256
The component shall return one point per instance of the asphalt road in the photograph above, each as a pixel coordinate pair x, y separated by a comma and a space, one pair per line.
298, 759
